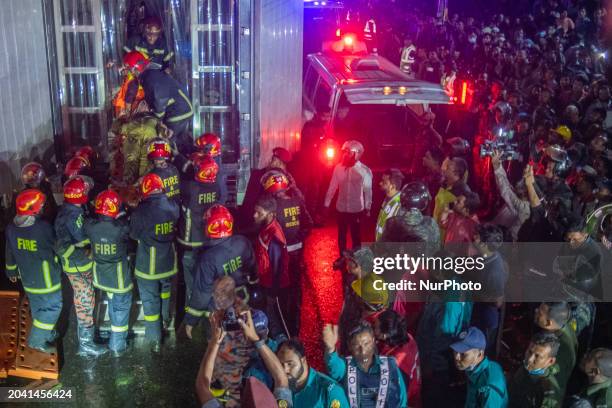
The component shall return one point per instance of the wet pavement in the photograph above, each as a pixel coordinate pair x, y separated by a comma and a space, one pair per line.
140, 378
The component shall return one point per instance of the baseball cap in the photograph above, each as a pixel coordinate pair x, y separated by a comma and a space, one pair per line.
283, 154
471, 339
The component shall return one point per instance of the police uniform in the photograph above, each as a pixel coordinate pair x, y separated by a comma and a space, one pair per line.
171, 179
169, 102
296, 223
535, 391
599, 395
153, 226
366, 391
320, 391
76, 263
196, 198
486, 386
232, 256
30, 253
111, 271
157, 53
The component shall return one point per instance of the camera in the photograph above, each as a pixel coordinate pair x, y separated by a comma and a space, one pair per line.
230, 320
502, 144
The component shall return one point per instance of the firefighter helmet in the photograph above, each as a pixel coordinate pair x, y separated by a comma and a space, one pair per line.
30, 202
205, 169
108, 203
159, 149
76, 190
354, 148
210, 143
415, 195
150, 184
136, 61
76, 166
32, 174
87, 152
274, 181
218, 221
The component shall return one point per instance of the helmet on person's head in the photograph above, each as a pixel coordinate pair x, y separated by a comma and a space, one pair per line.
354, 148
30, 202
87, 152
75, 166
218, 222
32, 174
564, 132
152, 25
159, 149
209, 143
282, 154
136, 61
150, 184
205, 169
274, 181
415, 195
76, 189
559, 156
108, 203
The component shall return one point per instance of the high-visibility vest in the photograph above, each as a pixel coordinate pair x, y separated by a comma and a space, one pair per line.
119, 102
369, 31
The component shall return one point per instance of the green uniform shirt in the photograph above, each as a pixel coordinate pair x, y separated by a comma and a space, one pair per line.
486, 386
109, 244
389, 209
320, 392
566, 357
535, 391
600, 395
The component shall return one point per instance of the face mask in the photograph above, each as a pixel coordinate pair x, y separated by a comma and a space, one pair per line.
537, 371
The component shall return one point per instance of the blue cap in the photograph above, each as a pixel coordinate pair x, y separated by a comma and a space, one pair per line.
260, 320
471, 339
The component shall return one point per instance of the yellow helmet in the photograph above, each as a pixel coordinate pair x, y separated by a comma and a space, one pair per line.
564, 132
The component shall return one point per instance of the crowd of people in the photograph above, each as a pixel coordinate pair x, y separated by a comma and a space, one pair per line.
538, 81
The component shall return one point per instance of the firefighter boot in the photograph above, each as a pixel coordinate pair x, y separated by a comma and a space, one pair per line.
118, 343
87, 347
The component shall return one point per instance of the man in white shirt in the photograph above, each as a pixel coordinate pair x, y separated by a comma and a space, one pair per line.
353, 181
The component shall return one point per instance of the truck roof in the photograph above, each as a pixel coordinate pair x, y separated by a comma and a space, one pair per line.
358, 74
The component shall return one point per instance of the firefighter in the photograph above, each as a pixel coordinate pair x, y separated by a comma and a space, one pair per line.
159, 154
209, 144
153, 226
225, 255
197, 196
77, 165
30, 249
33, 176
296, 225
152, 44
73, 245
165, 98
273, 264
109, 236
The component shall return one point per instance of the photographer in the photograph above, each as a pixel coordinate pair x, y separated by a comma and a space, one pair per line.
205, 373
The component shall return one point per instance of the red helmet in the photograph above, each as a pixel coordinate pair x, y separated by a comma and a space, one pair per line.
274, 181
76, 190
150, 183
159, 149
86, 152
135, 60
205, 169
30, 202
76, 166
108, 203
32, 173
219, 222
210, 143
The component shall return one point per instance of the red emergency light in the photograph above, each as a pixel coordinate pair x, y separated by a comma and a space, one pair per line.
330, 152
348, 40
464, 86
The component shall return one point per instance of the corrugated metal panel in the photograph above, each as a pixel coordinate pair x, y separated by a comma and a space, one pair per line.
26, 130
279, 83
